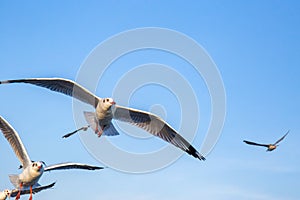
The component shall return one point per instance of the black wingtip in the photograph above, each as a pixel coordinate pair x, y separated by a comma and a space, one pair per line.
52, 184
11, 81
100, 167
95, 168
200, 157
192, 151
69, 134
84, 128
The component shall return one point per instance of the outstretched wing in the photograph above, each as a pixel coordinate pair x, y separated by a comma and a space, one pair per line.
65, 86
281, 138
70, 165
34, 190
257, 144
156, 126
15, 142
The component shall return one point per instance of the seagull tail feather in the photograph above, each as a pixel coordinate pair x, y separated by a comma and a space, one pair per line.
14, 179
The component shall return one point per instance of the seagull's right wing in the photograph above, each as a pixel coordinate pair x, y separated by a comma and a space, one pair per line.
257, 144
15, 142
65, 86
155, 126
282, 138
34, 190
63, 166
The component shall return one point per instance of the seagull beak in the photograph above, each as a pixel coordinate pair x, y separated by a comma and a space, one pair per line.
113, 103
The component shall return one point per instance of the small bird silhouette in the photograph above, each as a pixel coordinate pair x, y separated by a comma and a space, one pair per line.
270, 147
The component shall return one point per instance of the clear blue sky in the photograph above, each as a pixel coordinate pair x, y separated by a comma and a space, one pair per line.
256, 46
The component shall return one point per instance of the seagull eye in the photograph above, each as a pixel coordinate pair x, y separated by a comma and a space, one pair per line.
107, 100
103, 100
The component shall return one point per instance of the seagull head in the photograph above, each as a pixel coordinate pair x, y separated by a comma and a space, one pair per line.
7, 193
38, 166
107, 103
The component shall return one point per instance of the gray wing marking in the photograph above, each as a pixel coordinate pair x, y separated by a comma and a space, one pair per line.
65, 86
156, 126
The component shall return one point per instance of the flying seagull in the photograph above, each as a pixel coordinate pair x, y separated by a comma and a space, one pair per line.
270, 147
106, 110
13, 193
32, 171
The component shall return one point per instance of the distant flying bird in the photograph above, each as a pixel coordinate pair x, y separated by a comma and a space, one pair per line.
32, 171
106, 110
270, 147
13, 193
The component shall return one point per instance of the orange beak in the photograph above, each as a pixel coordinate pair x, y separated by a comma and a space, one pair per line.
112, 103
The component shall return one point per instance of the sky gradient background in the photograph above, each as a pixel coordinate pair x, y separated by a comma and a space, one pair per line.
255, 46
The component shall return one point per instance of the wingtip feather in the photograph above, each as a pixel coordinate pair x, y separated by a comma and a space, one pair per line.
200, 157
195, 153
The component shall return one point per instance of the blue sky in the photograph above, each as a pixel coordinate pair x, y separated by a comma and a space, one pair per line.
255, 46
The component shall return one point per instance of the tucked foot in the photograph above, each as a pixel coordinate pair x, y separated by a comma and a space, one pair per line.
99, 133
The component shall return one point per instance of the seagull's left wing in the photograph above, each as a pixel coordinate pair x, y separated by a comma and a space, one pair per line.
71, 165
34, 190
254, 143
156, 126
15, 142
281, 138
61, 85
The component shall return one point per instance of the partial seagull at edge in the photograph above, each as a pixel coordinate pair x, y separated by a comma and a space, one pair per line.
32, 170
13, 193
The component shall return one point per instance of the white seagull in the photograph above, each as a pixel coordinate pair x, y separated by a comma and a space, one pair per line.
106, 110
32, 171
13, 193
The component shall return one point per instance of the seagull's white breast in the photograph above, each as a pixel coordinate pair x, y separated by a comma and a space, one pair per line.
30, 176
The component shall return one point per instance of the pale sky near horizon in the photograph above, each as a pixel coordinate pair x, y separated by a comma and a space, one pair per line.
256, 47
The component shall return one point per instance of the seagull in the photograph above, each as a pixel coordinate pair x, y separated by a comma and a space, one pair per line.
4, 194
32, 170
270, 147
106, 110
13, 193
